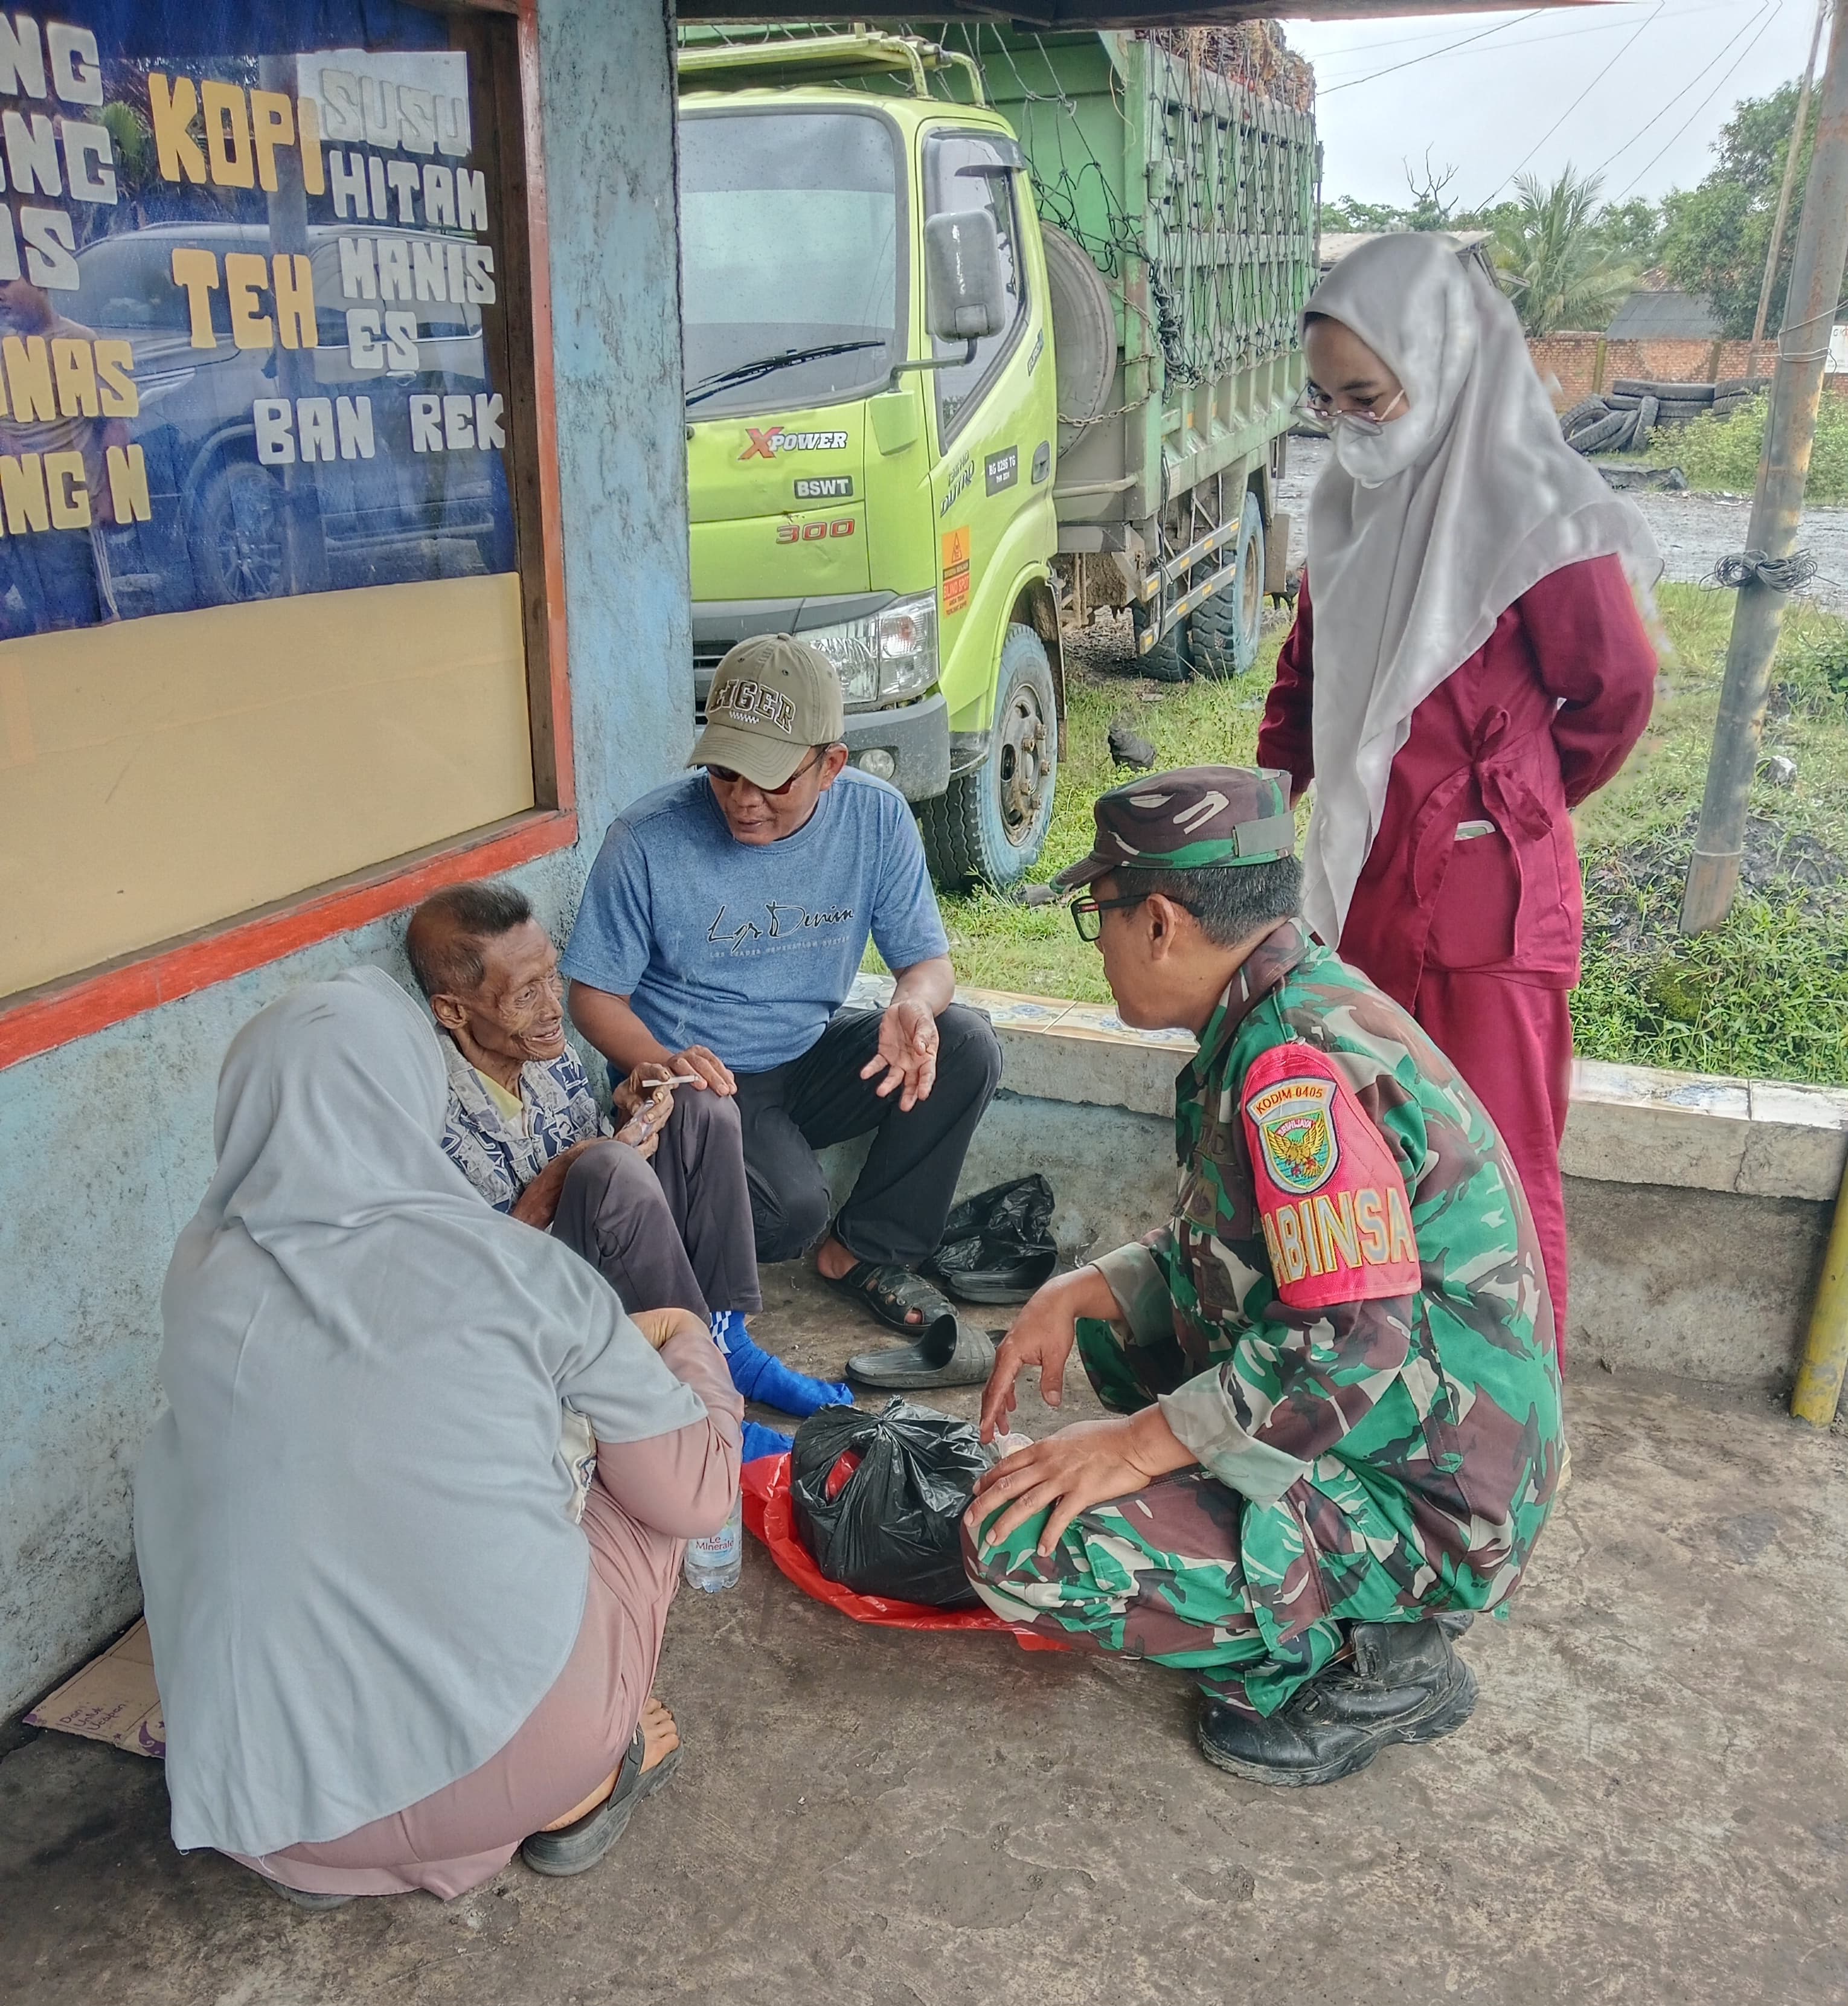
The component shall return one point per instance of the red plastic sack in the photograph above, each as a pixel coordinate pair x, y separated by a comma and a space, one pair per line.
766, 1512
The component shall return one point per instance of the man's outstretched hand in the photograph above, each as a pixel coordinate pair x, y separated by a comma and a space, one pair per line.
698, 1066
1042, 1334
907, 1049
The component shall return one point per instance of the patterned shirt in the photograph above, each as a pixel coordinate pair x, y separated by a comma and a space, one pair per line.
499, 1158
1351, 1300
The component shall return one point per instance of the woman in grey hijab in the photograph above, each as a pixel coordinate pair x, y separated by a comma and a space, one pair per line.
386, 1650
1472, 666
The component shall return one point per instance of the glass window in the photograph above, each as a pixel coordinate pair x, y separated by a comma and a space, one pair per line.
952, 188
789, 230
262, 622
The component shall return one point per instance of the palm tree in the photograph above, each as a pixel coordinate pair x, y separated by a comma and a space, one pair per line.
1554, 261
135, 168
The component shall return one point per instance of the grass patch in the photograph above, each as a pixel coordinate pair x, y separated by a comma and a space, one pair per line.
996, 944
1765, 996
1721, 455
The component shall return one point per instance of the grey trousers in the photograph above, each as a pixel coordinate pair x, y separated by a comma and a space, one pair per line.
673, 1233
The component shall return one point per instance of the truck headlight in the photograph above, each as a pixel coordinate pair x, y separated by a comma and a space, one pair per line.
887, 656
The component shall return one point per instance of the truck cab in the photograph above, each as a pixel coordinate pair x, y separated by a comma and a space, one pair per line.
871, 419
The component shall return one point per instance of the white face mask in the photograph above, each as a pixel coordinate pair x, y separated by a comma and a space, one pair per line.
1373, 453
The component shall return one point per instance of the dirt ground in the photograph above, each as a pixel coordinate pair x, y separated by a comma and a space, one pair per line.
1648, 1806
1695, 531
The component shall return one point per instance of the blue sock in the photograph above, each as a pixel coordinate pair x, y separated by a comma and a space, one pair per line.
764, 1441
759, 1375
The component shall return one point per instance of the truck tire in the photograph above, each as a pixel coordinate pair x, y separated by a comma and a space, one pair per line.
1646, 423
1583, 413
1084, 332
1228, 626
990, 824
1171, 659
1604, 435
1687, 393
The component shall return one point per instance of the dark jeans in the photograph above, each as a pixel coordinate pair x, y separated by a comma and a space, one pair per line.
56, 578
673, 1233
899, 1201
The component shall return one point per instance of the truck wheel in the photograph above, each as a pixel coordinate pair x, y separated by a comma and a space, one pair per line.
1171, 659
1228, 626
991, 824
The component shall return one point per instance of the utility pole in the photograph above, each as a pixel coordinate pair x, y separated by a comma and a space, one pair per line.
1777, 504
1783, 194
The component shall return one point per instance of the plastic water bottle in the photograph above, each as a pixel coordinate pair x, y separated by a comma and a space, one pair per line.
716, 1560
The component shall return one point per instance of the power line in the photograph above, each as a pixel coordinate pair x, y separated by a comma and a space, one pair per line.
1412, 62
1571, 107
1704, 102
1718, 57
1526, 41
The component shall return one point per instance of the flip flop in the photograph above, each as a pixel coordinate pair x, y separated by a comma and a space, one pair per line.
576, 1847
963, 1356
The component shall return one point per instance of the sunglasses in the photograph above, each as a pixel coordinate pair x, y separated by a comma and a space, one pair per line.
726, 777
1087, 913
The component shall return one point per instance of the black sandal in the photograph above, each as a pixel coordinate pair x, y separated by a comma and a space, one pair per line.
892, 1293
943, 1351
576, 1847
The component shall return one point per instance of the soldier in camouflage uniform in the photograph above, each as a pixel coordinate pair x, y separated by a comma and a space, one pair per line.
1335, 1361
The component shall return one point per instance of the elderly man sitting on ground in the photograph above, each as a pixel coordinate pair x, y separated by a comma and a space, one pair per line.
660, 1204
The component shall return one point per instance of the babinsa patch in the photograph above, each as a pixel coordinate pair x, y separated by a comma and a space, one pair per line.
1330, 1198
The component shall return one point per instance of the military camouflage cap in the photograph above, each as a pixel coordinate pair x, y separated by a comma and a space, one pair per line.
1195, 818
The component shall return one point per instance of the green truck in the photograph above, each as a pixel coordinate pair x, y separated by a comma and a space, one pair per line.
978, 338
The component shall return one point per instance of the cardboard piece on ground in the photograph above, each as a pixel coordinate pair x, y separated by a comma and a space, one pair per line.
113, 1699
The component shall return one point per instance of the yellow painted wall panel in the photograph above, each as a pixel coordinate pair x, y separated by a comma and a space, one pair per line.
165, 773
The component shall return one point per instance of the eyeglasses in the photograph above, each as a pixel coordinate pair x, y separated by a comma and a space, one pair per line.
727, 778
1317, 404
1087, 914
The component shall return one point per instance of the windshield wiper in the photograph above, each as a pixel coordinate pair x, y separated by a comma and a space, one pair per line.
748, 372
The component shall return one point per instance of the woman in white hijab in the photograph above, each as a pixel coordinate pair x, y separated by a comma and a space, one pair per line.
1472, 666
387, 1651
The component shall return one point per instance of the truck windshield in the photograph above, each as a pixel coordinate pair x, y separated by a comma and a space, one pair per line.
789, 242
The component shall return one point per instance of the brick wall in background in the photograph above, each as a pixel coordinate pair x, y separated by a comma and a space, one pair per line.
1585, 363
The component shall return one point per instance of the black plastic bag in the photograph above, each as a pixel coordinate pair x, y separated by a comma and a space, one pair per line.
997, 1247
878, 1499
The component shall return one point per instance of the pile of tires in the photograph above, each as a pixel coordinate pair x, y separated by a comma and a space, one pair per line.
1627, 416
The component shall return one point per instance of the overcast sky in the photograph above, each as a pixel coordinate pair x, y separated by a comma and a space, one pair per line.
1660, 78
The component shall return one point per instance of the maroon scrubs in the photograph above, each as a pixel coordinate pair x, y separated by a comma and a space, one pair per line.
1478, 937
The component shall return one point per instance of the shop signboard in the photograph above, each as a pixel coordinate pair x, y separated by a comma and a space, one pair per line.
261, 614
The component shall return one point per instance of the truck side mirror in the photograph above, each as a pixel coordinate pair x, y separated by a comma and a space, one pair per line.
965, 294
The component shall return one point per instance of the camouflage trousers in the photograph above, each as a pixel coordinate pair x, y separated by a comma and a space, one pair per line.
1157, 1575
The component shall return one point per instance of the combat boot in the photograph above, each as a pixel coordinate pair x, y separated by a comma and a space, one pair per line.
1403, 1682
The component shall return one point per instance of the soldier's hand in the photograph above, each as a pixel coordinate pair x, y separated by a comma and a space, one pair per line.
1089, 1463
1042, 1334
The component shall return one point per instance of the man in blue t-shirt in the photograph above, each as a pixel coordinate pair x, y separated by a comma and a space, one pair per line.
722, 925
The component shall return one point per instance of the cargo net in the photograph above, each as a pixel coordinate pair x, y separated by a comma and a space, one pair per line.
1228, 245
